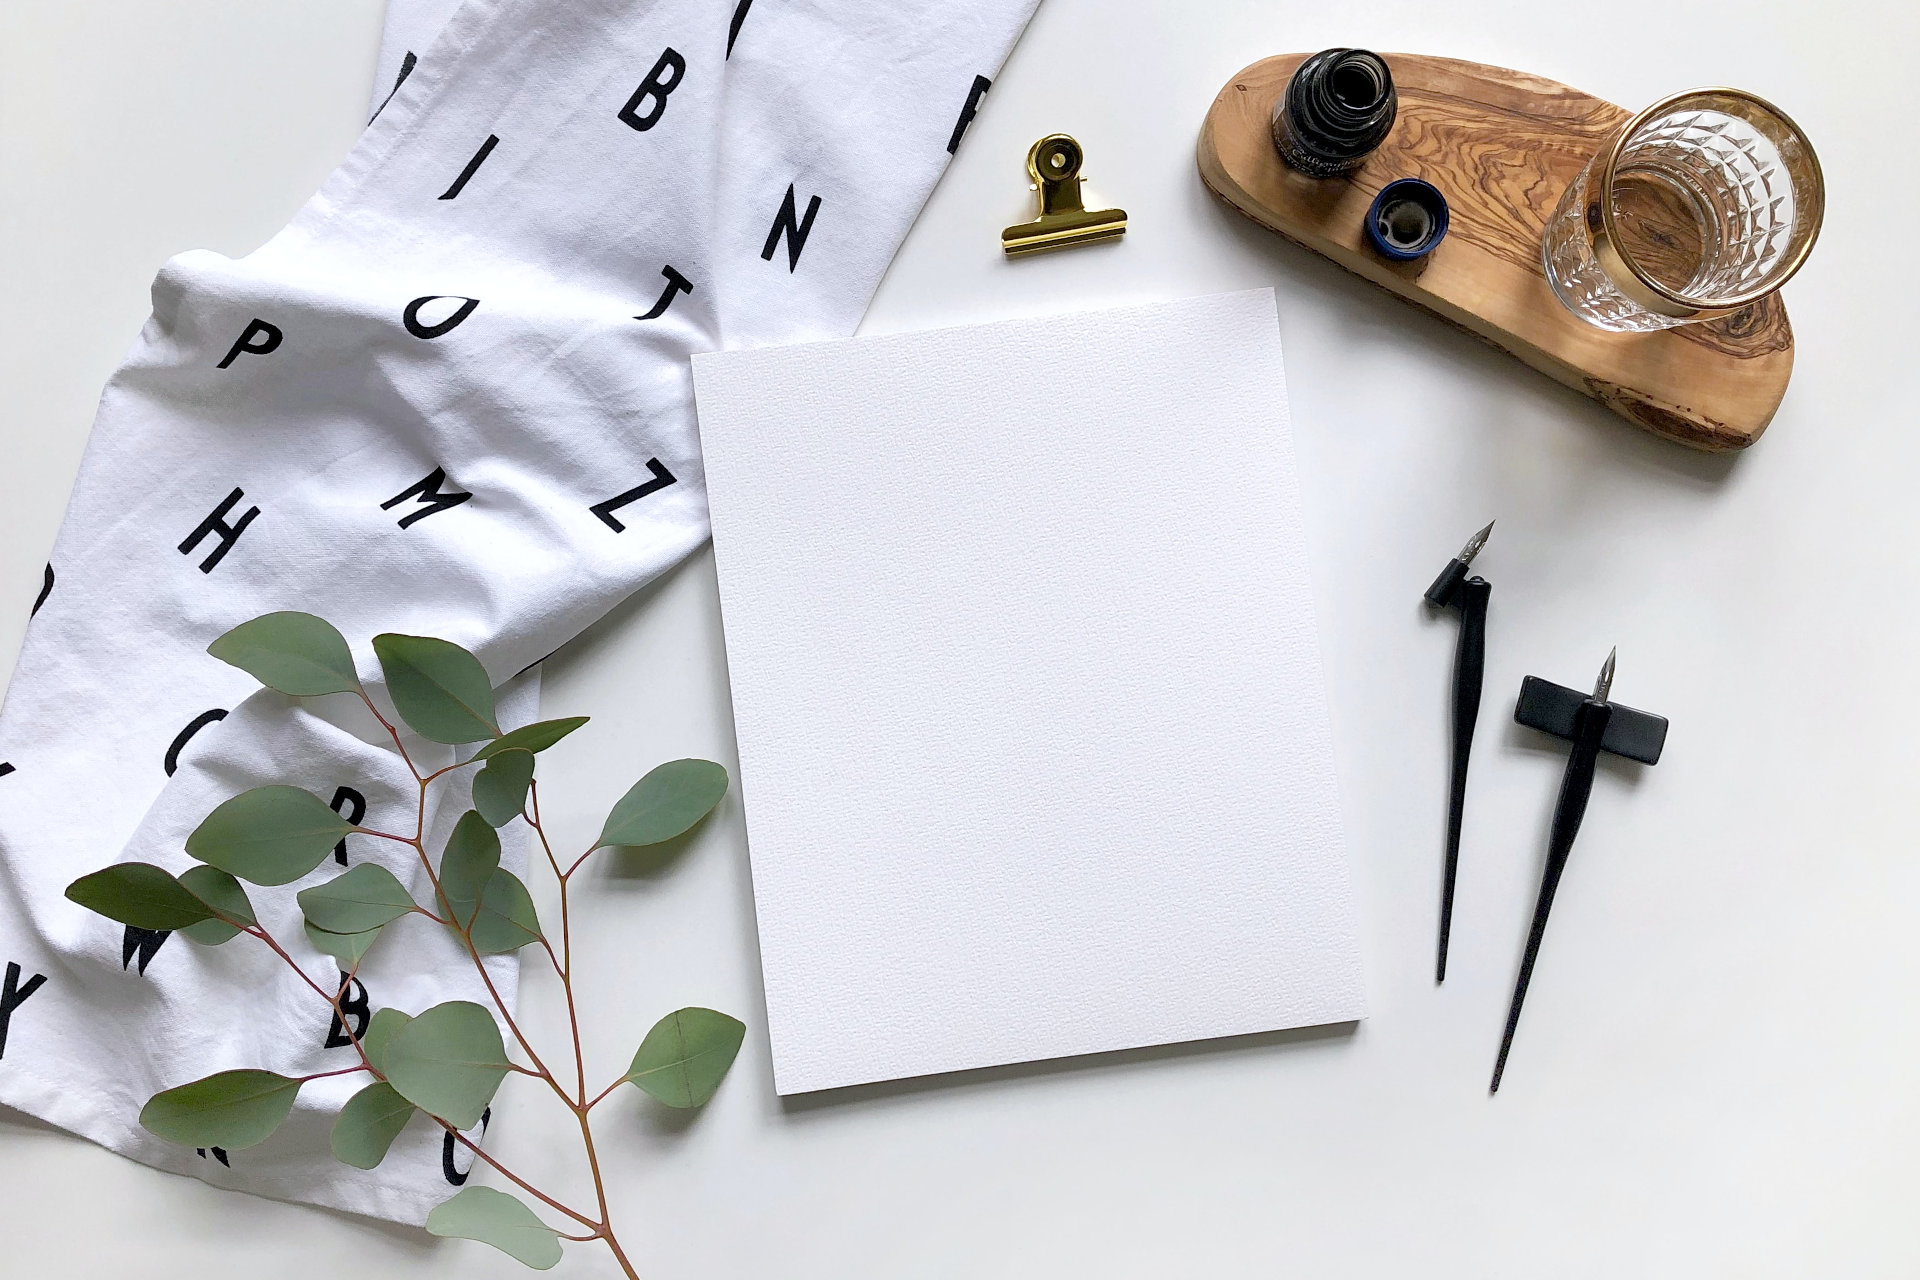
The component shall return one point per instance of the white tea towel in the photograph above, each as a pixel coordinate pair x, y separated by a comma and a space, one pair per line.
411, 27
452, 397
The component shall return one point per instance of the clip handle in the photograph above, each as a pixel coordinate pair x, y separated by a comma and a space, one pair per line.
1054, 164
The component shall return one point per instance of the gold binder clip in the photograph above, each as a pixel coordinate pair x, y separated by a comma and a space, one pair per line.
1064, 222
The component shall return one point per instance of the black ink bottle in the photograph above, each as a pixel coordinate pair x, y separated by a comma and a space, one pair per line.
1338, 107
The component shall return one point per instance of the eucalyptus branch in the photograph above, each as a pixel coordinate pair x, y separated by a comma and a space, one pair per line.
343, 1071
516, 1179
445, 1062
386, 724
333, 1001
260, 932
605, 1093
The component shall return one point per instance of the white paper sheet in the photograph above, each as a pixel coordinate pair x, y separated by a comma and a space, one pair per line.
1034, 743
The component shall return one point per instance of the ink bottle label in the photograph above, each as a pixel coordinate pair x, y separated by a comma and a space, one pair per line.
1337, 109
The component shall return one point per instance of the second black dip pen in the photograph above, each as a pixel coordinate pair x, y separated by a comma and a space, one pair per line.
1456, 589
1593, 724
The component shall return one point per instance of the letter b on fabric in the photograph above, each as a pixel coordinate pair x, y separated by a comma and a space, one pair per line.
653, 91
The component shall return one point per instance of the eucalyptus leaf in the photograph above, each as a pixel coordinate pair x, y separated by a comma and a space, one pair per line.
532, 737
500, 789
359, 901
448, 1062
368, 1124
468, 862
141, 895
347, 948
295, 653
210, 933
226, 896
380, 1032
665, 803
506, 921
233, 1109
439, 688
496, 1218
269, 835
686, 1055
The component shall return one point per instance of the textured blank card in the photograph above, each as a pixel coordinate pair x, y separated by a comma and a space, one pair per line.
1033, 737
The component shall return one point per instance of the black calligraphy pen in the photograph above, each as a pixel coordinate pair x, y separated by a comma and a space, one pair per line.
1593, 724
1454, 588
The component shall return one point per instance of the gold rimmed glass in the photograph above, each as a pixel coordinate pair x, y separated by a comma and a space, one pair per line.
1702, 204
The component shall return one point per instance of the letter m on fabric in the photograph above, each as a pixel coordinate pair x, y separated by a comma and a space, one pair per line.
428, 491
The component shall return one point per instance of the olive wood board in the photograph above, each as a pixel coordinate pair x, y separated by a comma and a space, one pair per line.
1501, 146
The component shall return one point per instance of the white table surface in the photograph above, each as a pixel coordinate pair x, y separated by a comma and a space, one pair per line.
1717, 1074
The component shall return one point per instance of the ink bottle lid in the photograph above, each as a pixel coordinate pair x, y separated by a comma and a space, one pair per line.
1407, 221
1338, 107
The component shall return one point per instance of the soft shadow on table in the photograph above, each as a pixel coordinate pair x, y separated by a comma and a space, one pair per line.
12, 1121
654, 862
887, 1090
227, 1202
1365, 310
613, 621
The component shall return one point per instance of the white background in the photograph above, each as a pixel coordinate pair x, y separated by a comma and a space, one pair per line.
1719, 1071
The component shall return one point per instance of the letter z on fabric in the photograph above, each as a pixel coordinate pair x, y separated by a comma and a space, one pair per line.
452, 397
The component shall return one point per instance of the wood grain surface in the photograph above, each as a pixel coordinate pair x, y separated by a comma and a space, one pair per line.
1501, 146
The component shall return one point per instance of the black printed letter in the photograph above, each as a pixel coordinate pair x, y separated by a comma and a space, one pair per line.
172, 763
980, 86
733, 29
269, 342
407, 65
432, 331
12, 996
796, 233
676, 284
145, 943
661, 81
352, 806
473, 165
217, 523
454, 1173
359, 1011
46, 587
428, 491
661, 479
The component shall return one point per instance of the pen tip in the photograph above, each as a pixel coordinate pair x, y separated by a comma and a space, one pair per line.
1604, 685
1477, 541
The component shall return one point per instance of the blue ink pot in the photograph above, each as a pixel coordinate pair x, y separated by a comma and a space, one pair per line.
1407, 220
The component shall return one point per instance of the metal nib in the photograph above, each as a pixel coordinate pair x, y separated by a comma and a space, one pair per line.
1604, 685
1477, 541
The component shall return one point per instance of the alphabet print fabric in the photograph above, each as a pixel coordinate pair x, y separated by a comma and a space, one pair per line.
453, 398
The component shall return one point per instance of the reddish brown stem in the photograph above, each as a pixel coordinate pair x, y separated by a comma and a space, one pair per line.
515, 1178
333, 1000
563, 965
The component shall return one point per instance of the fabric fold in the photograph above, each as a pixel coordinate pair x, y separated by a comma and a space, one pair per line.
451, 397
